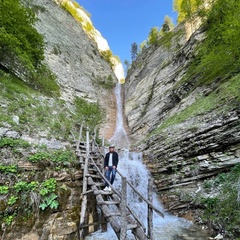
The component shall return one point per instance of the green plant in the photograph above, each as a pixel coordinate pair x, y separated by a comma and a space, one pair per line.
39, 156
24, 186
8, 169
87, 112
21, 186
4, 190
49, 201
11, 142
12, 200
48, 186
9, 219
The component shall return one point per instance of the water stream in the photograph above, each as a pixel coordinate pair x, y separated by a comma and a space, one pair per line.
131, 166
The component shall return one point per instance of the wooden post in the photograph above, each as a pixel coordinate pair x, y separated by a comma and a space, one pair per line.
84, 189
150, 210
123, 206
79, 137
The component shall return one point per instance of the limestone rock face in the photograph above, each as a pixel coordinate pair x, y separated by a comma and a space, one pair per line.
71, 54
180, 156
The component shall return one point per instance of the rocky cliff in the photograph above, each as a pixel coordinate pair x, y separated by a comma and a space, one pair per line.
189, 134
74, 57
41, 179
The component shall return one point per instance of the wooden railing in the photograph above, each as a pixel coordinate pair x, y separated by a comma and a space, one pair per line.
140, 234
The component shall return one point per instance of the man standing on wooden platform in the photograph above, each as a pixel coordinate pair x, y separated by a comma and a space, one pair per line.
110, 165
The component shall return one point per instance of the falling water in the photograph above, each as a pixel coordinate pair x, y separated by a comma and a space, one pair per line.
119, 138
131, 166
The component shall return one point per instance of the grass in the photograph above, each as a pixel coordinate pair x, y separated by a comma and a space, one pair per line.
219, 98
38, 113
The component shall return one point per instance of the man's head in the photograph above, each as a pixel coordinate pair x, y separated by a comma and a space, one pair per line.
111, 148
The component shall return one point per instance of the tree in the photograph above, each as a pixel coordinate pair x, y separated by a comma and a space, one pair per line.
18, 37
167, 24
134, 51
186, 8
153, 36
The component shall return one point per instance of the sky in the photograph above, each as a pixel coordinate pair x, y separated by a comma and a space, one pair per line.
123, 22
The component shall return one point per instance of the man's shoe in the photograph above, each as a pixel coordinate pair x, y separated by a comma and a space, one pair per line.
109, 189
106, 189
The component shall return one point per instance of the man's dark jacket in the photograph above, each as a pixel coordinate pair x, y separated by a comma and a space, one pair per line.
114, 159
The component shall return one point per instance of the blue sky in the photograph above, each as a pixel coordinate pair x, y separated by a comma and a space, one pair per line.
123, 22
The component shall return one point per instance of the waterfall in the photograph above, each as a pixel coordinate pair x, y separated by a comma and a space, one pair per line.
119, 138
131, 166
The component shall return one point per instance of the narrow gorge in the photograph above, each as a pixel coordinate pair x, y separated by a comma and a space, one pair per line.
184, 125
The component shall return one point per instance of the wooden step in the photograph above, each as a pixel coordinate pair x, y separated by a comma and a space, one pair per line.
102, 192
113, 214
93, 176
131, 226
108, 202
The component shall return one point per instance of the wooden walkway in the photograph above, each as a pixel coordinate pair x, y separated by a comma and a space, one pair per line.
113, 205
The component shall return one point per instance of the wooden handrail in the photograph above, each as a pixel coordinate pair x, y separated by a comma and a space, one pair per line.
141, 196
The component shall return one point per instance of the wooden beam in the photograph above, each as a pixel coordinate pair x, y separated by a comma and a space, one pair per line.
123, 206
84, 189
150, 211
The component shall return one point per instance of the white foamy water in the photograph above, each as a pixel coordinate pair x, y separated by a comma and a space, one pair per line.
119, 138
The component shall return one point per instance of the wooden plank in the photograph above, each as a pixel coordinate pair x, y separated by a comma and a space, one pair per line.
123, 206
108, 203
93, 176
111, 216
131, 226
150, 210
84, 199
102, 192
89, 191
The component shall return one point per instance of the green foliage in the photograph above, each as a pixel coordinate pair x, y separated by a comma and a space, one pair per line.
9, 219
134, 51
8, 169
153, 37
186, 8
12, 200
17, 34
218, 56
224, 209
11, 142
4, 189
217, 99
25, 186
87, 112
107, 55
106, 83
47, 190
39, 156
48, 186
68, 7
22, 45
49, 202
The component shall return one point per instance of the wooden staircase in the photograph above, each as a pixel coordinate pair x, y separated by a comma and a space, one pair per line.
113, 204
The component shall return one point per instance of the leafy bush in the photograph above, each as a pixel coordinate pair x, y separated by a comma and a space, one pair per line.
22, 47
218, 56
224, 209
8, 169
89, 113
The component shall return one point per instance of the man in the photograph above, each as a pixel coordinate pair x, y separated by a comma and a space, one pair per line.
110, 165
